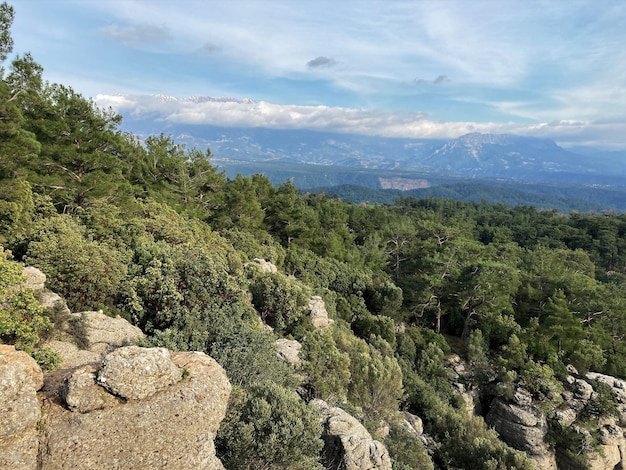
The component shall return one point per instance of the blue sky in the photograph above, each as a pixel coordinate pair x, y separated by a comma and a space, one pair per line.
419, 68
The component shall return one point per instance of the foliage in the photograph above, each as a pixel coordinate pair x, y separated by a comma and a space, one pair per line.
85, 272
326, 367
268, 427
23, 320
406, 450
249, 357
376, 379
280, 300
184, 293
602, 403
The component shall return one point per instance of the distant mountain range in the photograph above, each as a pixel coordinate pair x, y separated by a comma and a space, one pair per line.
472, 155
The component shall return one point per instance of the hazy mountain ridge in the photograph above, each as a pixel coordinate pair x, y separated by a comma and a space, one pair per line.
474, 154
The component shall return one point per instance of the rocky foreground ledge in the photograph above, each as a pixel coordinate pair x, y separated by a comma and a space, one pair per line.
140, 408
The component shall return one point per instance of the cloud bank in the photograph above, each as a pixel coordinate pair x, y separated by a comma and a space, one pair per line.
230, 112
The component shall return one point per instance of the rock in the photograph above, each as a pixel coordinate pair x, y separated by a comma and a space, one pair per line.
565, 417
80, 392
105, 333
347, 444
266, 266
20, 378
457, 365
98, 335
319, 315
618, 386
71, 356
523, 428
134, 373
607, 457
413, 423
53, 300
34, 279
582, 390
171, 428
612, 435
289, 350
522, 397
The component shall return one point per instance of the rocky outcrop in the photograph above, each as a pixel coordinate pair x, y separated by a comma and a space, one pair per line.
33, 279
113, 405
319, 315
266, 266
598, 443
99, 335
134, 373
289, 351
140, 408
523, 427
347, 444
163, 416
20, 378
413, 423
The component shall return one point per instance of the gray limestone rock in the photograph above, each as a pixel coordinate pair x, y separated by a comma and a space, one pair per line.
134, 373
80, 392
523, 428
413, 423
34, 279
53, 300
266, 266
582, 390
106, 333
288, 351
172, 428
347, 444
20, 378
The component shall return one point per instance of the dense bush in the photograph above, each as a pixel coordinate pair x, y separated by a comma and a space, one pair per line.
269, 427
85, 272
23, 320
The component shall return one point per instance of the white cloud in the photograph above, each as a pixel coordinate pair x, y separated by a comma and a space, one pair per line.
248, 113
136, 35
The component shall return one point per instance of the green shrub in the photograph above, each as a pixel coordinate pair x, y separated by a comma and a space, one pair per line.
248, 355
85, 273
407, 451
280, 300
269, 427
22, 318
326, 367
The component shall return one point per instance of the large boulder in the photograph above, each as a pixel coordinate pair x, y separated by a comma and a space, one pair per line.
523, 428
609, 453
347, 444
135, 373
98, 335
106, 333
159, 416
80, 391
20, 379
173, 426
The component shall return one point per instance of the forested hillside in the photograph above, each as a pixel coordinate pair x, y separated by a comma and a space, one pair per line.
154, 232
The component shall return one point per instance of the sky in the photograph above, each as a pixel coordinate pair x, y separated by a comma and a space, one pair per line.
398, 68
